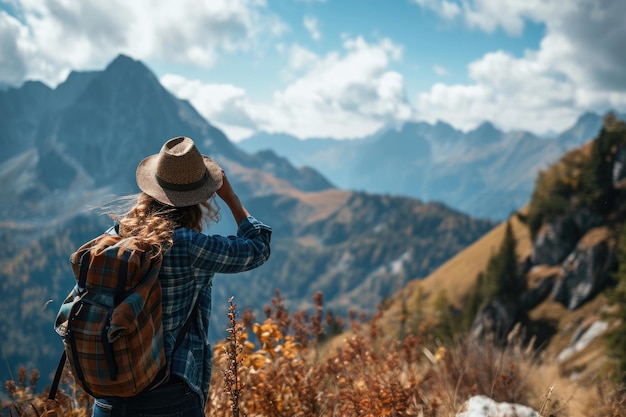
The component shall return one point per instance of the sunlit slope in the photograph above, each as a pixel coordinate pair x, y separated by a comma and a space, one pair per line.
458, 275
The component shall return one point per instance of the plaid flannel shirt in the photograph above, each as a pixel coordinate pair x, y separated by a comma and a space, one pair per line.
186, 275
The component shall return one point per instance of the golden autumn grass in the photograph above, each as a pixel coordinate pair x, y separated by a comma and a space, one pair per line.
274, 366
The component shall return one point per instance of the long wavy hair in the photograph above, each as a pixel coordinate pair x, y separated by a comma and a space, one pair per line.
151, 224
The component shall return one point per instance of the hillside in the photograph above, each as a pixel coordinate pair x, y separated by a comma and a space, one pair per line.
457, 276
568, 245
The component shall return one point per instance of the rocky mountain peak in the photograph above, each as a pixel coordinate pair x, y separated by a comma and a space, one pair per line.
583, 130
485, 134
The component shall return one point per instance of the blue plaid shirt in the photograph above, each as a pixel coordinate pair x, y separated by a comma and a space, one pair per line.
186, 275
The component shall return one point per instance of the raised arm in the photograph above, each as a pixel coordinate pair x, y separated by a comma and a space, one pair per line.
231, 199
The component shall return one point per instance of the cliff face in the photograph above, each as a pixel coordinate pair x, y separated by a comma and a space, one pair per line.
579, 233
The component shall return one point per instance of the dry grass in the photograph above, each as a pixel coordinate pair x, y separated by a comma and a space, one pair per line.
70, 402
284, 365
368, 375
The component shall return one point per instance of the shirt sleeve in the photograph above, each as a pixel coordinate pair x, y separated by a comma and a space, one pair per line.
249, 249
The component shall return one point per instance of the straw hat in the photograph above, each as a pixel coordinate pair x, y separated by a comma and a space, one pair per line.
179, 175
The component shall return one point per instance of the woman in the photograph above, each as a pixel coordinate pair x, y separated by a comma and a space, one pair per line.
178, 186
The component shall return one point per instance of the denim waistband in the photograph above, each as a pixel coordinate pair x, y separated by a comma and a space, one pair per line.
171, 393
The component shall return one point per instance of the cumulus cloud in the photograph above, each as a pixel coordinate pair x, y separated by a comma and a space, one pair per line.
344, 95
53, 37
577, 67
488, 15
515, 93
12, 62
301, 58
224, 105
446, 9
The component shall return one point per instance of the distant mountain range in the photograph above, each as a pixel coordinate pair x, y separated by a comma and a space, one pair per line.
78, 145
485, 172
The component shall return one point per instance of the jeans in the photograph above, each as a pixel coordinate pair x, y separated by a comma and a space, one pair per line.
169, 400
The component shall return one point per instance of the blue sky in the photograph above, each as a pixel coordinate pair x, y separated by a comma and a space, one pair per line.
340, 68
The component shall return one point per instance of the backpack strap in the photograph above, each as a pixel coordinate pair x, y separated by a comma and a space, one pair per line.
84, 268
165, 371
57, 377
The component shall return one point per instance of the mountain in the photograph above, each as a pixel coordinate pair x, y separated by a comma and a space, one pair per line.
485, 172
78, 147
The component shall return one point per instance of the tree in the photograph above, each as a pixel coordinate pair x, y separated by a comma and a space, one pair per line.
501, 278
499, 281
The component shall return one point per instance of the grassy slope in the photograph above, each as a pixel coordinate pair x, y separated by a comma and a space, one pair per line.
573, 379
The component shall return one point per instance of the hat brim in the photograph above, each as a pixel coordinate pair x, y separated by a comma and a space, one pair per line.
147, 182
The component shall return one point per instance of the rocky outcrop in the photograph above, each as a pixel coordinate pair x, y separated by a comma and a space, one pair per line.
586, 269
579, 277
583, 336
556, 239
539, 283
619, 167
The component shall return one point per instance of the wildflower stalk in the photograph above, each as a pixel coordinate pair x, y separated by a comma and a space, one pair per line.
233, 349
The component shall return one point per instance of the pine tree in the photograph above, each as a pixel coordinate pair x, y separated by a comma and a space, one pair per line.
596, 190
501, 278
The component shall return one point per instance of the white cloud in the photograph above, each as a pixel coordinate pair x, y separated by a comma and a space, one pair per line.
54, 37
446, 9
516, 93
12, 62
489, 15
224, 105
577, 67
310, 23
301, 58
510, 15
341, 95
344, 95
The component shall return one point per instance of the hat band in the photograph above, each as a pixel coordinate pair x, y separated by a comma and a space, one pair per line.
183, 187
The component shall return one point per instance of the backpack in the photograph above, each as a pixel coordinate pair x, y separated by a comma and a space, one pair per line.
111, 321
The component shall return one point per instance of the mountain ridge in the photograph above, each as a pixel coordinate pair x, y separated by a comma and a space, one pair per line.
460, 169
